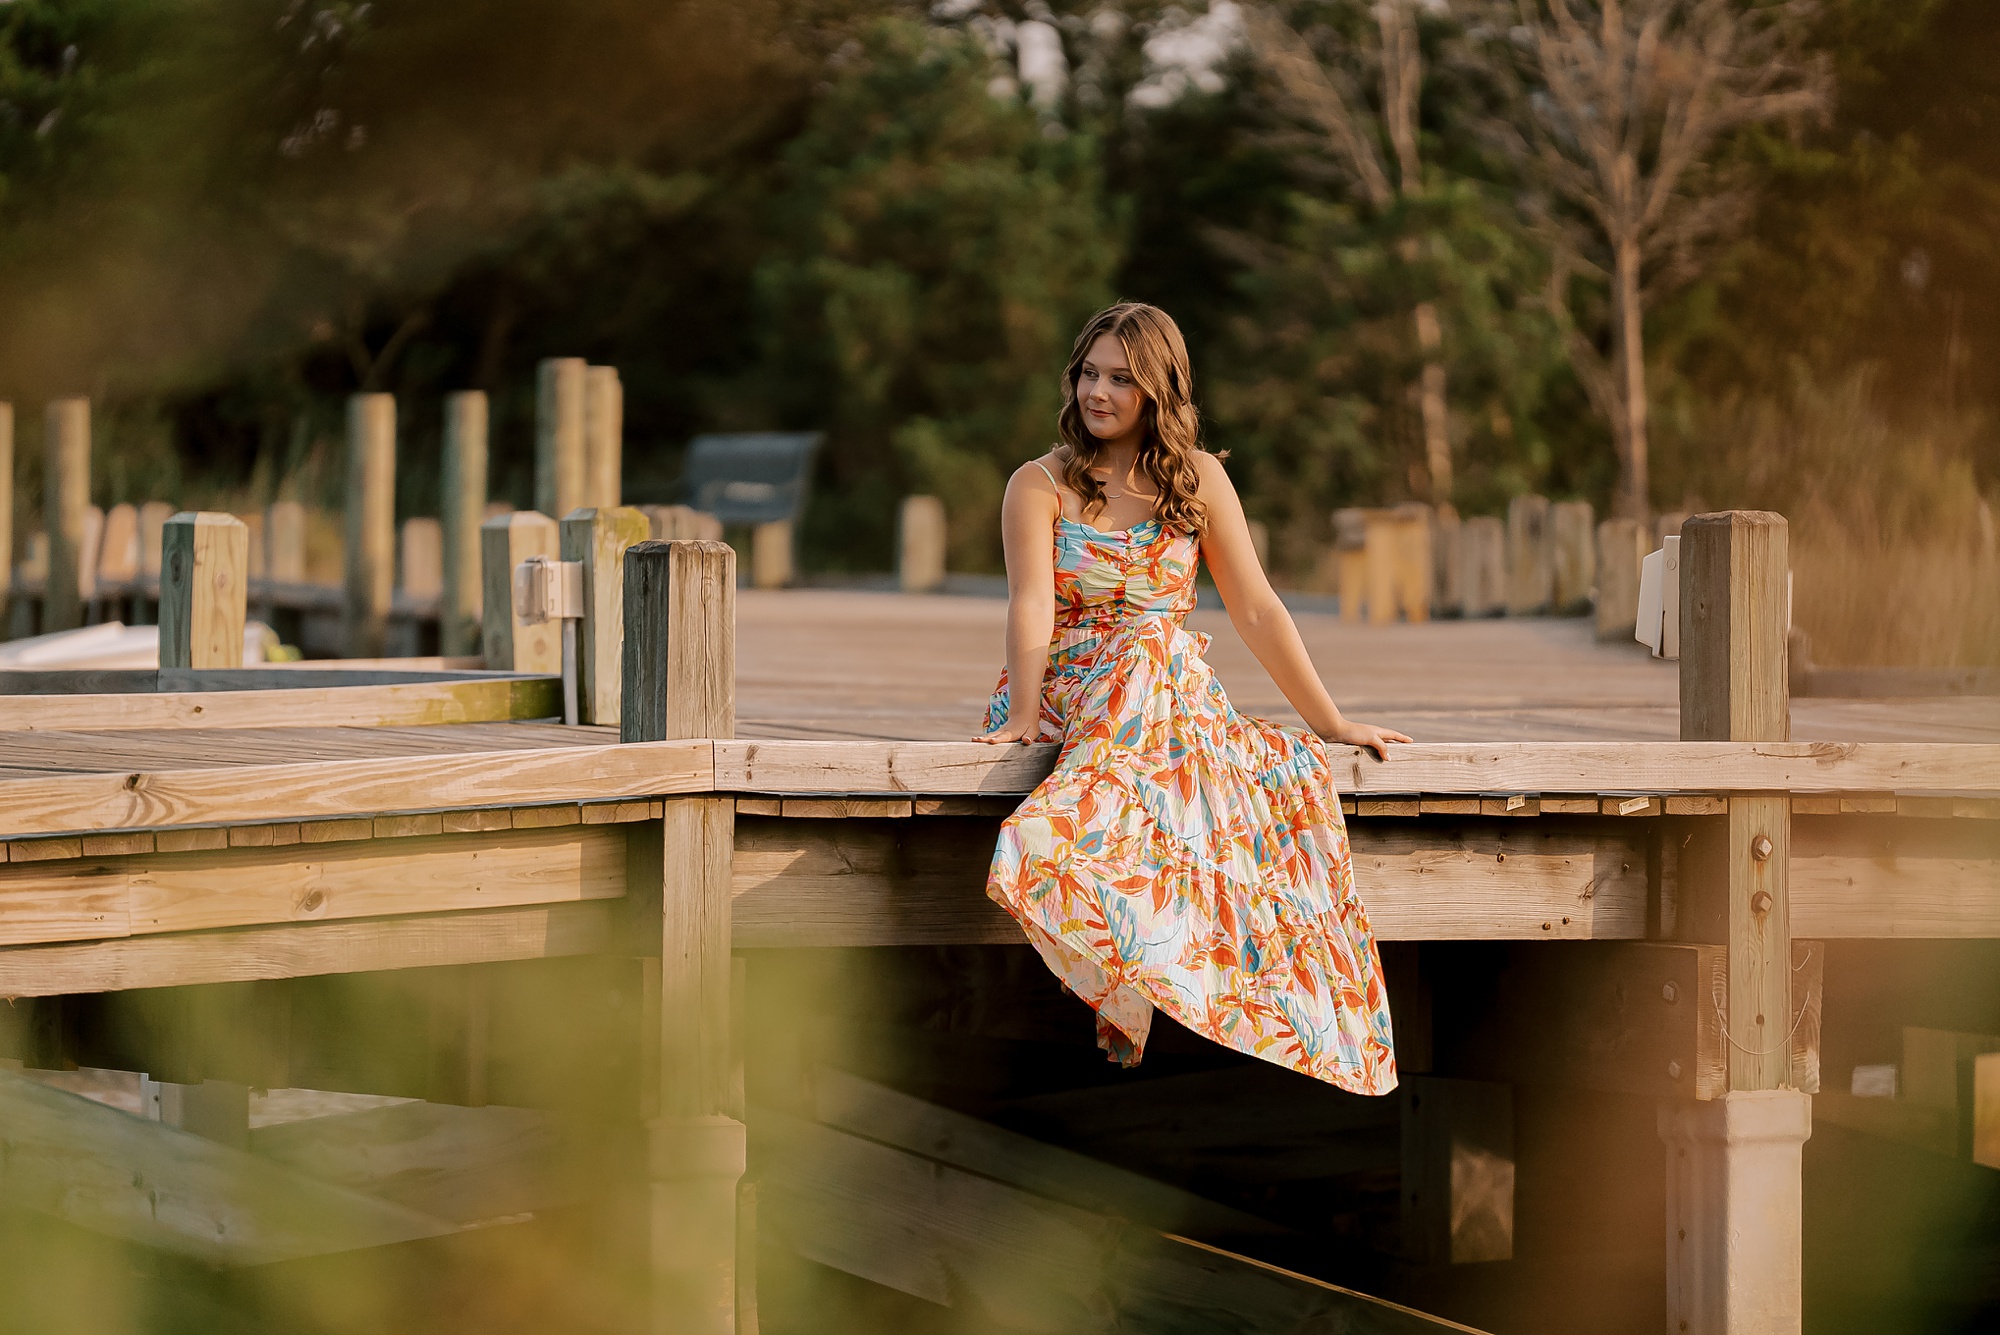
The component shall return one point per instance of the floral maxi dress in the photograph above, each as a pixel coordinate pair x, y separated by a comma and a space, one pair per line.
1182, 855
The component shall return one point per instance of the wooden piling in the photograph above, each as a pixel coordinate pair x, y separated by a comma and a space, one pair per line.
285, 542
420, 557
462, 506
87, 553
771, 554
1482, 554
559, 441
1414, 555
153, 517
1573, 540
1447, 570
1457, 1170
680, 638
680, 680
1621, 546
6, 503
598, 538
509, 643
204, 576
1531, 574
371, 522
603, 437
118, 550
65, 500
1733, 1171
920, 544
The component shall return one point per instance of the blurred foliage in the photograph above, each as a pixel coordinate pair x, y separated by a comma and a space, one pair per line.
884, 220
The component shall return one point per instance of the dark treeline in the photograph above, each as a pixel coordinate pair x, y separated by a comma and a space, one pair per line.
885, 221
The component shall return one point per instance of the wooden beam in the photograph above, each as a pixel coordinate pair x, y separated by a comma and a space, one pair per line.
1894, 878
465, 1165
66, 498
864, 1108
802, 882
679, 662
299, 950
598, 538
204, 566
1657, 768
371, 523
413, 705
104, 1170
90, 899
1624, 1017
319, 790
1020, 1260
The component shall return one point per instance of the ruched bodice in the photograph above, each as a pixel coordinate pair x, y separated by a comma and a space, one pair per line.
1181, 855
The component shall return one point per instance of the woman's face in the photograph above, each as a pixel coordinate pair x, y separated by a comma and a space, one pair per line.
1112, 405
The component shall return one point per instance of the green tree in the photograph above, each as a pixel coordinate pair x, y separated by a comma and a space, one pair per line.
934, 249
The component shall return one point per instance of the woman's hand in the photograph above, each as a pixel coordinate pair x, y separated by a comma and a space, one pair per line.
1012, 730
1367, 735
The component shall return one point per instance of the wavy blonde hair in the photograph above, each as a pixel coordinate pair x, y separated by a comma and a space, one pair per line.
1158, 357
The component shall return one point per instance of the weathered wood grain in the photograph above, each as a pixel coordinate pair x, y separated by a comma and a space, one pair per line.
802, 882
92, 898
414, 704
942, 768
83, 803
299, 950
110, 1172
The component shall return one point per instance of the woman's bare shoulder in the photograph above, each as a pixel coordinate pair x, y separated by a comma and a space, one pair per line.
1041, 474
1209, 471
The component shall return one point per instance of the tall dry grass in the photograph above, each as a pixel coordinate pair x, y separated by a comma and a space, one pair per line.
1893, 548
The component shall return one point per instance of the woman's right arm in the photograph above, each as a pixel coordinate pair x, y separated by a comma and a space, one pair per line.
1027, 519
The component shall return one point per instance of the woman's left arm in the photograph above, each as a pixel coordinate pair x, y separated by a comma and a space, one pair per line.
1263, 621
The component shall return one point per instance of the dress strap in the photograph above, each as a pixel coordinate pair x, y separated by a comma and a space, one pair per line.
1047, 474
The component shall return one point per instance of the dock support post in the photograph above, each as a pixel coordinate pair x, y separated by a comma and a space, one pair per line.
65, 501
680, 682
463, 507
771, 554
6, 505
1733, 1167
603, 437
1531, 566
509, 643
204, 565
1573, 541
371, 522
559, 445
598, 538
1621, 546
920, 537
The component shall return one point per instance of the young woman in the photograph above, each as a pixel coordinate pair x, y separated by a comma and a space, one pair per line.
1182, 856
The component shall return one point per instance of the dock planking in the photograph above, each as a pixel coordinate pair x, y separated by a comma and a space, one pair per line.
850, 809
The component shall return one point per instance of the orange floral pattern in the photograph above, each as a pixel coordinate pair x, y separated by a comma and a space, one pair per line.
1184, 856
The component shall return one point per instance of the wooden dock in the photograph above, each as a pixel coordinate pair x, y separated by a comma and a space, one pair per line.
752, 894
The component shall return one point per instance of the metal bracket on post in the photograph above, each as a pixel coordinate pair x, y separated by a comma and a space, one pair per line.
546, 590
